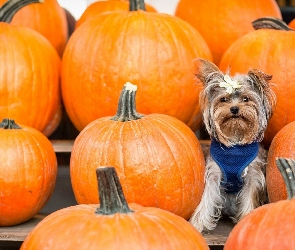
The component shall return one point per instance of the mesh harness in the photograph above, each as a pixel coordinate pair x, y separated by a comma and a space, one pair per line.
232, 161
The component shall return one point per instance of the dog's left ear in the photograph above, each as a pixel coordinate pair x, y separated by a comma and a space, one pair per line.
262, 84
206, 70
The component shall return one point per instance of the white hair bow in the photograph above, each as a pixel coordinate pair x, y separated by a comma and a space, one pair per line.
229, 84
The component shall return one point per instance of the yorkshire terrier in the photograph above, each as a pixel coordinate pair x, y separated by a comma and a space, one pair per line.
236, 111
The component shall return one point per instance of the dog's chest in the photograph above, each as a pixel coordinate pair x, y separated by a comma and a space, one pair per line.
232, 162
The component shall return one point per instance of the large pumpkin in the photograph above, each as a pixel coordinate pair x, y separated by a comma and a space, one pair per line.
48, 18
223, 22
27, 172
113, 225
158, 158
283, 146
29, 74
270, 48
102, 6
154, 51
270, 226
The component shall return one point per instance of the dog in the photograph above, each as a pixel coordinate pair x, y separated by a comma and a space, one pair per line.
235, 111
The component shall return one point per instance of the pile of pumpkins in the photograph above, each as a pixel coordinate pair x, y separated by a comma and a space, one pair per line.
125, 77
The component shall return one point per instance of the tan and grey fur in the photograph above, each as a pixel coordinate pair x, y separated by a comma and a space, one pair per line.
233, 119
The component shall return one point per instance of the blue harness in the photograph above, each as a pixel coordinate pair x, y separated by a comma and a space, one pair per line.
232, 161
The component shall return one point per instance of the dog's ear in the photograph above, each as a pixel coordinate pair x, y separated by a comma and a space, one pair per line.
206, 71
262, 85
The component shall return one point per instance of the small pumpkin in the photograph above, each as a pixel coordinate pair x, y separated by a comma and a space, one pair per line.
113, 224
158, 158
222, 23
27, 172
270, 48
153, 50
282, 146
270, 226
48, 18
102, 6
29, 74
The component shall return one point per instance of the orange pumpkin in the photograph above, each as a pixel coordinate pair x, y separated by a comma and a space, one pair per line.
158, 158
270, 226
283, 146
48, 18
102, 6
29, 75
27, 172
271, 50
222, 23
155, 51
292, 24
113, 225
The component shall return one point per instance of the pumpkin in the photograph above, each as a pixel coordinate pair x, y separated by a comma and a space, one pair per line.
102, 6
222, 23
154, 51
292, 24
283, 146
270, 226
270, 48
27, 172
158, 158
48, 18
113, 224
29, 74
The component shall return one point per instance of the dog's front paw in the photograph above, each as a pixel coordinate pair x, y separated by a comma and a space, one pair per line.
203, 222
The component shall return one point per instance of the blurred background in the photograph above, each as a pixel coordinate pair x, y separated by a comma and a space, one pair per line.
76, 7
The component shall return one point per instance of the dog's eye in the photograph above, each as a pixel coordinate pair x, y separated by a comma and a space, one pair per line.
246, 99
223, 99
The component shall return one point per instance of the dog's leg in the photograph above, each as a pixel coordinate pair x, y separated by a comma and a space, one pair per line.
208, 212
253, 193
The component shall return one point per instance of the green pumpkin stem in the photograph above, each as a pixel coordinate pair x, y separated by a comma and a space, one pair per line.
111, 196
9, 8
9, 124
136, 5
126, 107
287, 169
270, 23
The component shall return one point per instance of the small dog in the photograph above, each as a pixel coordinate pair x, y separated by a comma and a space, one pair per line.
235, 113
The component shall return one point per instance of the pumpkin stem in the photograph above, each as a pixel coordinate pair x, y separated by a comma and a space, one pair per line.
270, 23
111, 196
9, 8
126, 106
136, 5
287, 169
9, 124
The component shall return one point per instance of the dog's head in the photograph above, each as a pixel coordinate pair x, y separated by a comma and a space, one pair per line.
235, 109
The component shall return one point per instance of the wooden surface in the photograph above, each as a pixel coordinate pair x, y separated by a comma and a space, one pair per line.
65, 146
62, 146
219, 235
19, 232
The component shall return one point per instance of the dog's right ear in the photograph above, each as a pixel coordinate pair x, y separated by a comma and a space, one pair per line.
206, 71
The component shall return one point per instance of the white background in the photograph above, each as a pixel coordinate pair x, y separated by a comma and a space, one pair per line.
77, 7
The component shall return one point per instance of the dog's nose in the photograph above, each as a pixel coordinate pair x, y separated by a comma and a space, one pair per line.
234, 110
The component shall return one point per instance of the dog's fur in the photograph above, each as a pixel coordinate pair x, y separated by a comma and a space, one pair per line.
255, 102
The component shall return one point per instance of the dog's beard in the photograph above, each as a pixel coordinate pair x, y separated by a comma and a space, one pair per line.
241, 128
